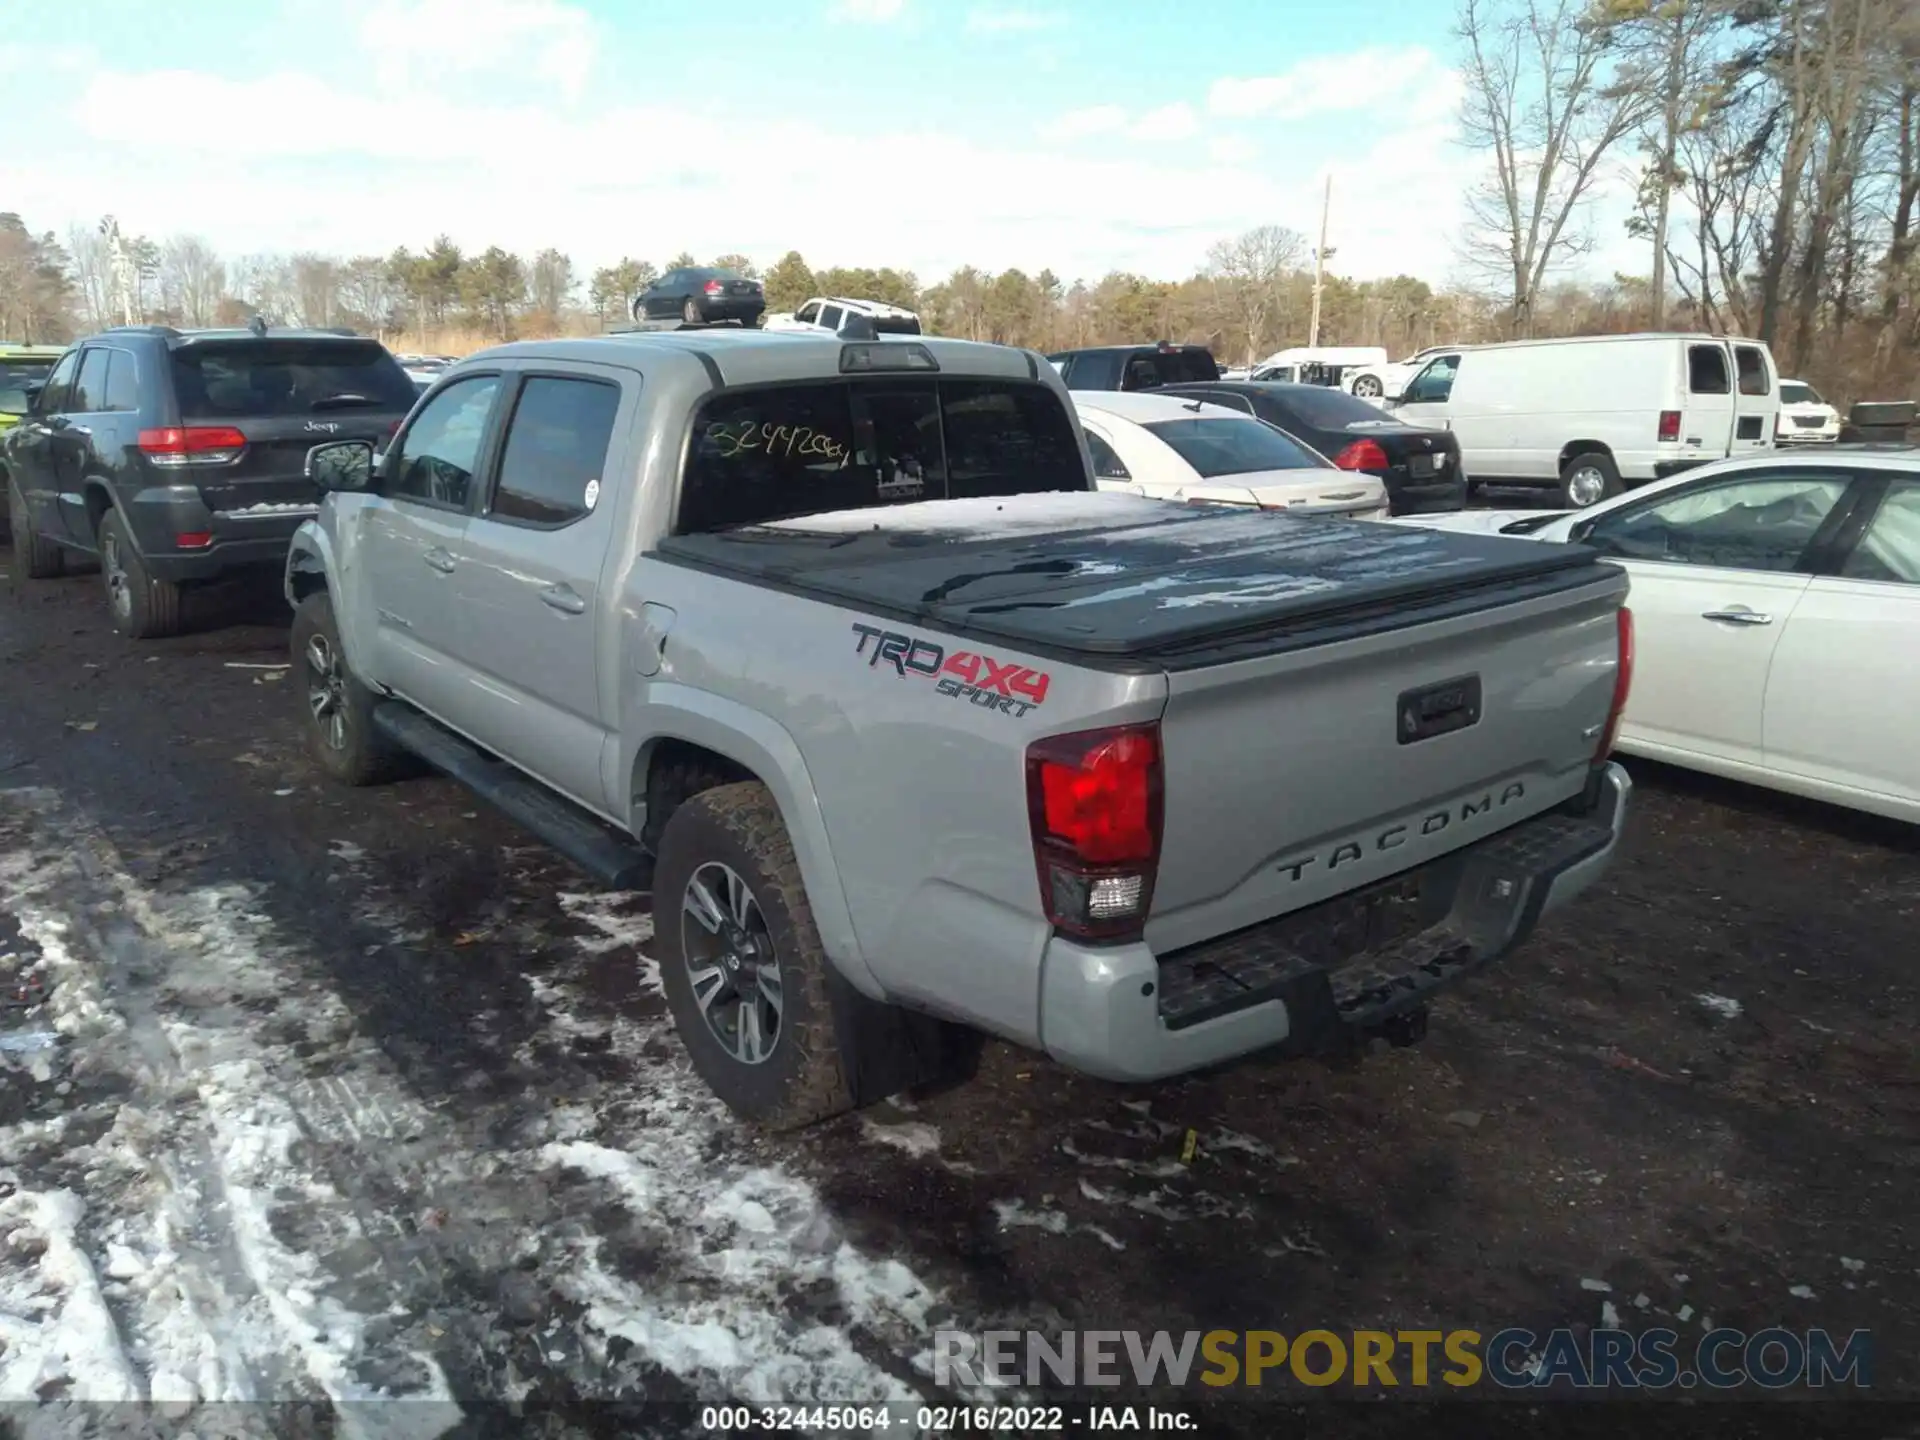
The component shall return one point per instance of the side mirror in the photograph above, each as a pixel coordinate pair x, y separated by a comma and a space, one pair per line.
341, 465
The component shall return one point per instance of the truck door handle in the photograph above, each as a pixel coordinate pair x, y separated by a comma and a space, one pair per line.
564, 599
438, 559
1738, 617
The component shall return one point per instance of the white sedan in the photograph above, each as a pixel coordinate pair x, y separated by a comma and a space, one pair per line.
1180, 449
1776, 609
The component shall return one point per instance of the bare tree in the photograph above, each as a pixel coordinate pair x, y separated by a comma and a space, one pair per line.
91, 254
551, 283
1249, 272
316, 289
192, 279
369, 292
1540, 99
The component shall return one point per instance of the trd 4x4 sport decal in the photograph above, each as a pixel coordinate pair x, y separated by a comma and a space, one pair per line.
1011, 689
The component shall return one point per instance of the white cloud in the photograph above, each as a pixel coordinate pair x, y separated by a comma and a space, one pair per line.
429, 40
1169, 123
1006, 22
1232, 150
1079, 124
1325, 84
866, 12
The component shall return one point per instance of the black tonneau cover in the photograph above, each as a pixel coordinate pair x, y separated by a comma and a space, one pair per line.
1128, 579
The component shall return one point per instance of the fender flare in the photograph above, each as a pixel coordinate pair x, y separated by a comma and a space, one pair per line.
752, 739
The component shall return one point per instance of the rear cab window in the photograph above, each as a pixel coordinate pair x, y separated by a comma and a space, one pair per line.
272, 378
778, 452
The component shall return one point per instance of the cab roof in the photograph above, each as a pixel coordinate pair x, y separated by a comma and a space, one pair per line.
747, 357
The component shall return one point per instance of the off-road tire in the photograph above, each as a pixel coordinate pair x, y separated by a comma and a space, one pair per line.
38, 559
803, 1080
1588, 460
366, 757
153, 606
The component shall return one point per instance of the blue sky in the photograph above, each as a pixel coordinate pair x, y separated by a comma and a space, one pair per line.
918, 133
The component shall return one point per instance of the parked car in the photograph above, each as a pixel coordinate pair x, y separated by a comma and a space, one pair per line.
700, 295
1328, 365
1587, 417
1776, 602
1134, 367
1374, 381
177, 456
1187, 449
1805, 419
23, 369
830, 315
921, 733
1420, 467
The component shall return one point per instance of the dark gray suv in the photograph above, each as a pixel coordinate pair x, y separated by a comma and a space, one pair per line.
177, 456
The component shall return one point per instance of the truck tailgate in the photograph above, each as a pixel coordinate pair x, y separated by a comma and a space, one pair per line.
1296, 776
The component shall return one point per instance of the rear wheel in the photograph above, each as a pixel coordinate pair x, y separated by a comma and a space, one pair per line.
690, 312
1587, 479
141, 607
39, 559
741, 960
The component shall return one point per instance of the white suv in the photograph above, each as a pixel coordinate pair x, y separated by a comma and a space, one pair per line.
828, 314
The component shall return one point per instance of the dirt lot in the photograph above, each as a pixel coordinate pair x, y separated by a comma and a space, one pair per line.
440, 1078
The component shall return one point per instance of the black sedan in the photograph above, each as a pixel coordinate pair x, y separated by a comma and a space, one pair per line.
700, 294
1420, 466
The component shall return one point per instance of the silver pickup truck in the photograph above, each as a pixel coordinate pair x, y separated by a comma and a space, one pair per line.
913, 734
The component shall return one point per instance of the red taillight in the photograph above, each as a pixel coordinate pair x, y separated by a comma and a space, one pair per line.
1363, 455
194, 540
192, 444
1669, 424
1622, 686
714, 287
1094, 801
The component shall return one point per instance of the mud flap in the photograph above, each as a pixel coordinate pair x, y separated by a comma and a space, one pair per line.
885, 1050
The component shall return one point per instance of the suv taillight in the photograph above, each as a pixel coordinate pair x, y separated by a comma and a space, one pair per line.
192, 445
1622, 686
714, 287
1095, 801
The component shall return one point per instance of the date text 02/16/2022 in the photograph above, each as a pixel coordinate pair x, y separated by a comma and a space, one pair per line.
942, 1419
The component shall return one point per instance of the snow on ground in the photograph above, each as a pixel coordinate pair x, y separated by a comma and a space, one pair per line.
223, 1191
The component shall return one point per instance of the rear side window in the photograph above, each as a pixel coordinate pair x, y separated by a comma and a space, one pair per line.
830, 317
772, 454
123, 382
90, 392
1106, 464
897, 324
1753, 370
1707, 370
557, 442
1890, 550
1216, 445
287, 377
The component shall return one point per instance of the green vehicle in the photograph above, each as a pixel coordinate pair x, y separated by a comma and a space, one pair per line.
21, 366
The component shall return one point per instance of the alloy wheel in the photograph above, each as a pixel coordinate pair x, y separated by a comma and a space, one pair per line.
731, 963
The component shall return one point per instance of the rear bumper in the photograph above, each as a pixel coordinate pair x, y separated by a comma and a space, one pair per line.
1123, 1013
1429, 497
242, 539
727, 308
1787, 439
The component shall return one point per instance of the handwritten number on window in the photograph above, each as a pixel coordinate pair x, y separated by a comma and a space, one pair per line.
745, 437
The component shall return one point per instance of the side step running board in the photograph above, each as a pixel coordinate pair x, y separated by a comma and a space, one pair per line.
615, 860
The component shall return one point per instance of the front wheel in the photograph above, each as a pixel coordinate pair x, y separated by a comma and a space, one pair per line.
690, 312
1587, 479
141, 607
1368, 387
741, 961
39, 559
338, 710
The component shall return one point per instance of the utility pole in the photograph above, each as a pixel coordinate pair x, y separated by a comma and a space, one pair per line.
122, 268
1320, 266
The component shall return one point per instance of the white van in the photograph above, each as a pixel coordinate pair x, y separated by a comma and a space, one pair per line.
1591, 416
